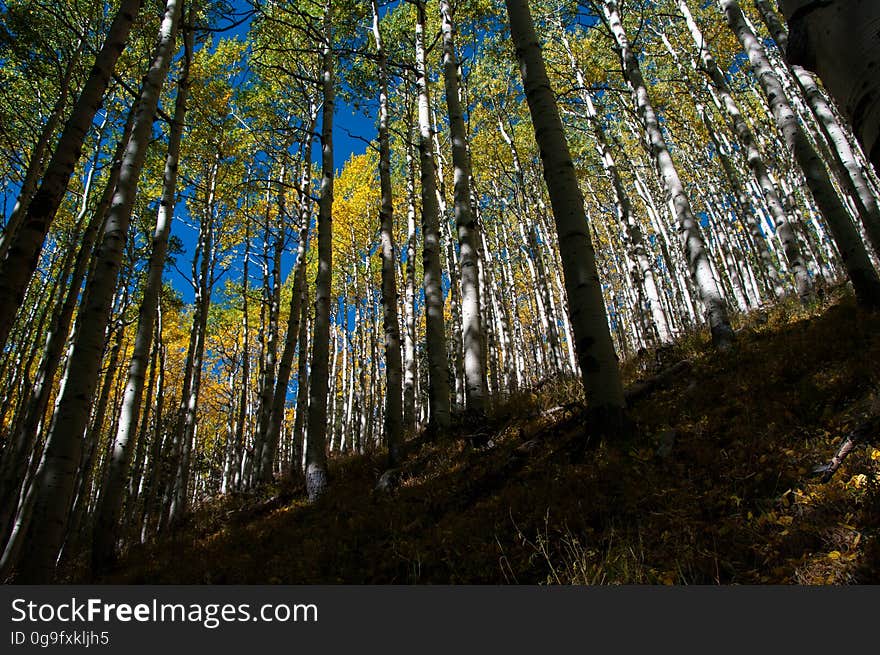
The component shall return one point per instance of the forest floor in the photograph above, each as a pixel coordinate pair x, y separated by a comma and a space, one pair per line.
717, 488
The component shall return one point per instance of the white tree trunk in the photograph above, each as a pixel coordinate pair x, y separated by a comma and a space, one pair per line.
53, 486
316, 456
855, 258
596, 357
393, 415
111, 497
840, 41
438, 374
472, 331
688, 228
23, 250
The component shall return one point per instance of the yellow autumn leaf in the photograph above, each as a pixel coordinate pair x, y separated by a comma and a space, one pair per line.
858, 481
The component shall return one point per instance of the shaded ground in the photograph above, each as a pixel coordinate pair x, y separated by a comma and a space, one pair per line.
716, 489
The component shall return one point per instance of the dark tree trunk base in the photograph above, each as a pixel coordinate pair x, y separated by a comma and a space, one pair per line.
316, 483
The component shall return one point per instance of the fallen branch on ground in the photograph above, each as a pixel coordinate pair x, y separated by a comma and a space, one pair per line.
642, 387
861, 434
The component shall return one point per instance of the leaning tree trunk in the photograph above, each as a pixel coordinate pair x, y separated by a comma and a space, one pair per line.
595, 349
14, 462
755, 161
850, 172
111, 497
55, 478
852, 251
689, 230
840, 41
316, 455
35, 164
851, 175
23, 250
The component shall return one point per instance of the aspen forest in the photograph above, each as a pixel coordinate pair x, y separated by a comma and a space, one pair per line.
440, 291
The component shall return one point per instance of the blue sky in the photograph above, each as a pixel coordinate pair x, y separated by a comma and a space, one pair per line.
352, 128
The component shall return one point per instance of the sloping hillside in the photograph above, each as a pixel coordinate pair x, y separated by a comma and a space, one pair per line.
717, 488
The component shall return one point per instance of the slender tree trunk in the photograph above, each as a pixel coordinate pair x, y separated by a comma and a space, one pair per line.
135, 490
285, 365
689, 231
471, 325
455, 353
411, 374
852, 251
316, 455
302, 384
111, 498
185, 430
241, 420
23, 251
851, 175
438, 370
53, 486
266, 346
393, 421
596, 357
271, 306
154, 475
838, 40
